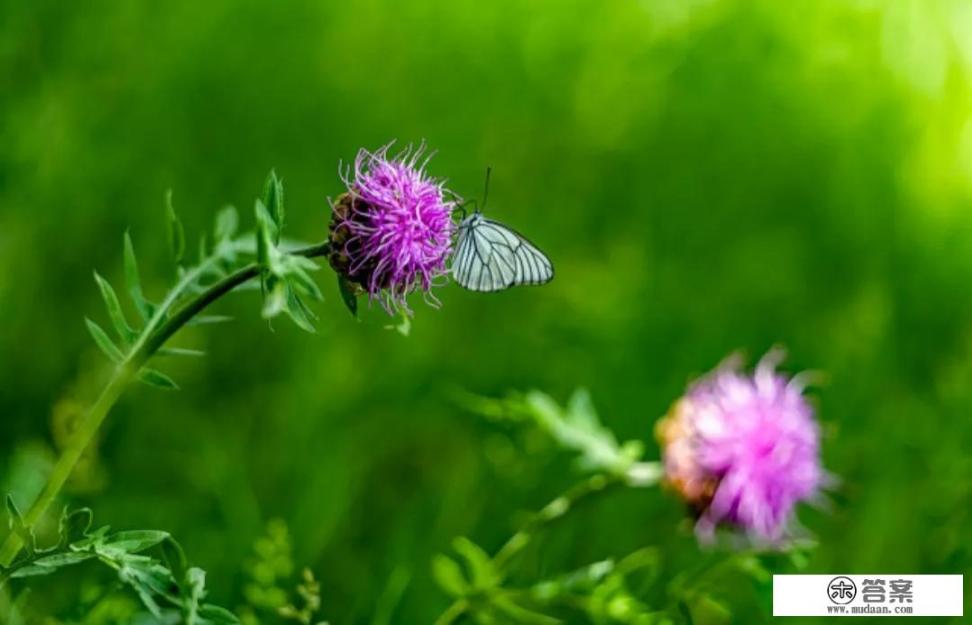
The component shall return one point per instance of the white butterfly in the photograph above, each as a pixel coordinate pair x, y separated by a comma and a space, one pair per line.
491, 257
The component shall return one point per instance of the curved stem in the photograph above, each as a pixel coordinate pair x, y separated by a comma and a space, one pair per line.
554, 510
637, 475
157, 331
453, 612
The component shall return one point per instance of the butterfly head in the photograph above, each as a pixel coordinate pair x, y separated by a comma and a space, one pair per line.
472, 220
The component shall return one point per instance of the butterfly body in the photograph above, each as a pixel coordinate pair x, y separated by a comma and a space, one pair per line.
492, 257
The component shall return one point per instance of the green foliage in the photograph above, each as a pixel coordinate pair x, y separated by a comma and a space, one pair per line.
707, 176
575, 427
273, 200
165, 586
270, 568
285, 277
309, 592
604, 590
477, 586
627, 591
104, 342
125, 333
156, 378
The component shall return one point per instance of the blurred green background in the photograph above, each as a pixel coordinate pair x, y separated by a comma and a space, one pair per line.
707, 175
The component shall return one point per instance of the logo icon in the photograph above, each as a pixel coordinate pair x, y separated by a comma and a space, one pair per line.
841, 590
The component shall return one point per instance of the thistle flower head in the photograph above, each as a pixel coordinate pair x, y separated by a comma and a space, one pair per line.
391, 233
743, 449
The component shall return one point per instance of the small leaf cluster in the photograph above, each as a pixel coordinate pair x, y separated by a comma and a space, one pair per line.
575, 427
624, 591
165, 585
636, 588
269, 569
309, 591
477, 584
215, 260
608, 591
284, 277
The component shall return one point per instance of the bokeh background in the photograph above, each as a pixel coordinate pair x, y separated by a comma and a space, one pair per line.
707, 175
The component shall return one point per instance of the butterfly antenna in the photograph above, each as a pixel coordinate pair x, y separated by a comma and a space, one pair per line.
460, 204
486, 187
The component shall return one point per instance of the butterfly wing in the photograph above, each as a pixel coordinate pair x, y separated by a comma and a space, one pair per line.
492, 257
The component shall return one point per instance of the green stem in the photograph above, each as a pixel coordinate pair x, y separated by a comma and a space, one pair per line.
453, 612
556, 509
157, 331
551, 512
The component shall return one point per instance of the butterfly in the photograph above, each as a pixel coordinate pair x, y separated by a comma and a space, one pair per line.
492, 257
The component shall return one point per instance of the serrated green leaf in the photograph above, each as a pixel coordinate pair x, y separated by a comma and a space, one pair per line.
59, 560
91, 539
74, 525
154, 582
349, 295
133, 282
136, 540
31, 570
115, 314
103, 342
177, 235
195, 587
448, 575
227, 223
147, 577
153, 377
579, 429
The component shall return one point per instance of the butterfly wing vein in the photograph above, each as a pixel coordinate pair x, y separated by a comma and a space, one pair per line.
492, 257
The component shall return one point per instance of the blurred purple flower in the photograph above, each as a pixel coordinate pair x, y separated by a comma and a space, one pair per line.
392, 231
743, 450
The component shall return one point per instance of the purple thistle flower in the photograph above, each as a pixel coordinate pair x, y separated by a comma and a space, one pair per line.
743, 450
392, 231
